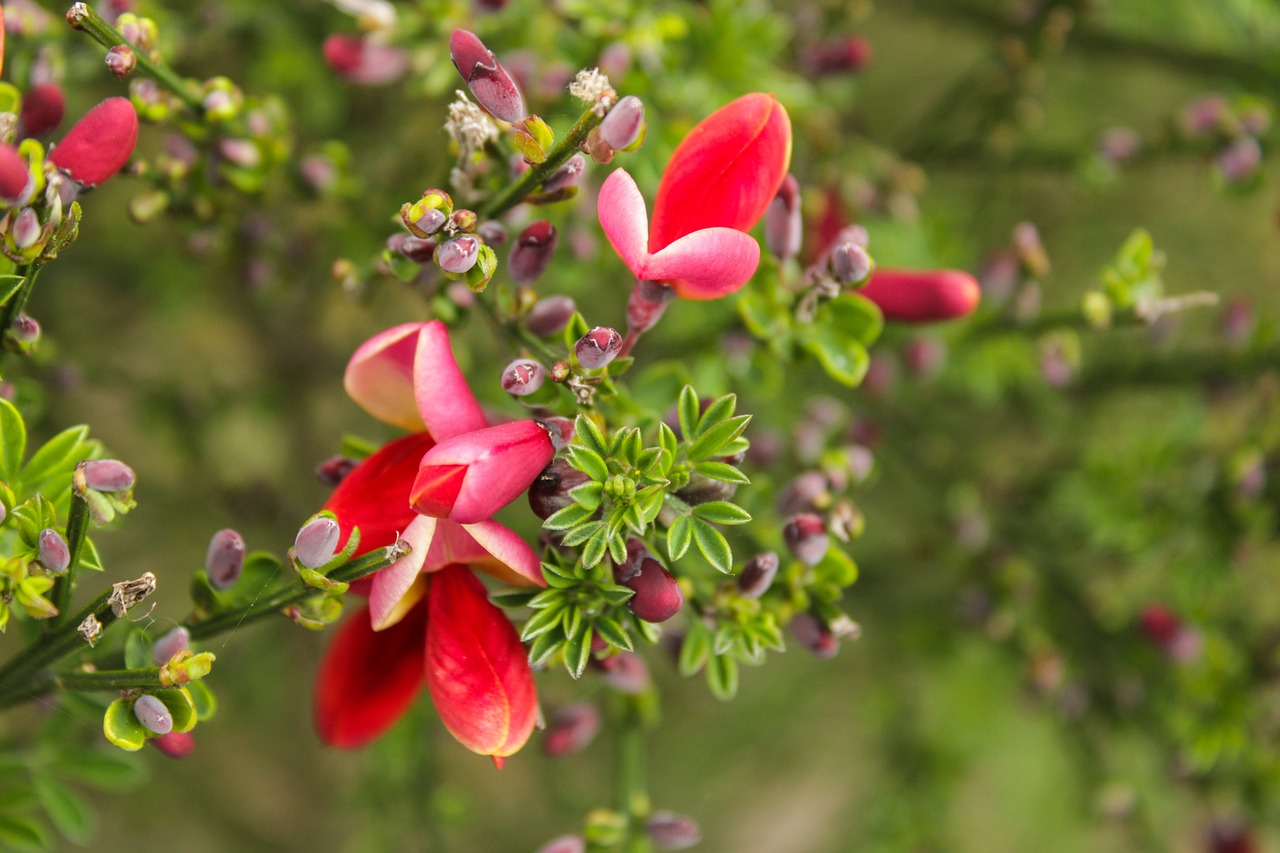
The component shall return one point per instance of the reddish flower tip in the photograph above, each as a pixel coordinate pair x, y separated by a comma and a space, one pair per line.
922, 296
14, 174
43, 106
100, 143
488, 81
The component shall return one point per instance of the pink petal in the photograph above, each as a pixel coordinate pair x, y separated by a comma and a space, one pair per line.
391, 584
476, 668
379, 376
14, 174
624, 219
506, 555
706, 264
99, 144
922, 296
501, 462
453, 544
444, 399
368, 680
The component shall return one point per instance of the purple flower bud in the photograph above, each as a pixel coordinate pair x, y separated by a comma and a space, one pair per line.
806, 536
598, 347
532, 253
637, 553
1238, 160
850, 263
565, 844
550, 315
108, 475
522, 377
757, 575
153, 715
571, 729
807, 492
121, 60
25, 229
463, 220
626, 672
672, 831
317, 542
567, 175
492, 232
422, 221
783, 229
658, 596
54, 554
225, 559
812, 633
623, 124
26, 330
489, 83
240, 152
1205, 114
458, 255
550, 491
417, 249
647, 303
177, 640
334, 470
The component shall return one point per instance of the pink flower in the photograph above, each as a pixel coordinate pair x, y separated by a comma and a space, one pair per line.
99, 144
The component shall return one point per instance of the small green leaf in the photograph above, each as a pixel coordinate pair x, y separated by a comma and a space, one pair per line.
713, 545
9, 285
588, 495
582, 533
843, 357
722, 676
632, 445
548, 598
712, 442
689, 408
618, 547
540, 623
19, 833
593, 552
722, 512
719, 411
589, 462
577, 651
575, 329
613, 633
679, 536
722, 471
546, 645
667, 438
695, 648
520, 598
206, 704
572, 622
836, 567
588, 435
121, 726
13, 442
570, 516
614, 594
58, 455
68, 813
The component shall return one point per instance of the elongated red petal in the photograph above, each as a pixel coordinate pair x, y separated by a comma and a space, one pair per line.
725, 172
100, 143
500, 462
922, 296
14, 174
443, 396
476, 668
368, 679
375, 495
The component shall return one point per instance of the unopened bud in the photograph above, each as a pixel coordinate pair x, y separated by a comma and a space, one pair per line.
417, 249
658, 596
121, 60
783, 229
463, 220
647, 303
108, 475
177, 640
423, 221
54, 554
522, 377
15, 177
458, 255
25, 229
598, 347
840, 55
567, 175
334, 470
757, 575
175, 744
490, 84
672, 831
806, 536
25, 330
1240, 159
43, 106
225, 558
629, 568
153, 715
626, 672
493, 232
565, 844
550, 491
807, 492
850, 263
571, 729
531, 253
812, 633
550, 315
924, 357
317, 542
560, 430
623, 124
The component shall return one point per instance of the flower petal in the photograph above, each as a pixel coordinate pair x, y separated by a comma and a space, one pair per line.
506, 555
922, 296
100, 143
375, 495
706, 264
379, 376
501, 462
624, 219
368, 680
725, 172
391, 584
443, 397
476, 668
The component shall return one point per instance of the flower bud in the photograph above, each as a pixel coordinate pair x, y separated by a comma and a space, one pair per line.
658, 596
121, 60
153, 715
317, 542
550, 491
25, 330
463, 220
806, 536
15, 177
626, 672
522, 377
458, 255
469, 477
175, 744
629, 568
492, 232
52, 549
757, 575
805, 493
364, 60
565, 844
571, 729
334, 470
850, 263
108, 475
598, 347
532, 253
416, 249
1240, 159
623, 124
100, 143
550, 315
177, 640
490, 84
423, 221
567, 175
646, 305
783, 229
225, 559
924, 357
812, 633
25, 228
922, 296
672, 831
840, 55
43, 106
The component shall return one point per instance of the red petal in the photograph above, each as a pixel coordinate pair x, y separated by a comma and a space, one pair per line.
500, 463
477, 670
368, 679
375, 495
100, 143
922, 296
43, 106
725, 172
14, 174
435, 491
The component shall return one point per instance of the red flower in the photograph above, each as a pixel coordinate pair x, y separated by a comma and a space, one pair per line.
100, 143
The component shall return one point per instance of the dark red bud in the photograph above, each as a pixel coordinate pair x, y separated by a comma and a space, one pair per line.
334, 470
814, 635
492, 232
532, 253
806, 536
658, 596
845, 54
343, 52
1160, 624
100, 143
626, 672
571, 729
757, 575
637, 553
550, 315
598, 347
550, 491
43, 106
567, 175
489, 83
523, 376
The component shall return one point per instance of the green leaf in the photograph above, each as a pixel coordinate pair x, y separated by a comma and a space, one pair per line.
106, 771
722, 676
582, 533
588, 495
546, 645
181, 707
589, 436
577, 651
17, 832
844, 359
9, 285
854, 316
618, 546
548, 598
89, 557
718, 412
572, 621
695, 649
57, 455
836, 567
667, 438
713, 545
13, 442
593, 552
679, 536
68, 813
540, 623
206, 704
689, 408
614, 594
613, 633
122, 728
570, 516
632, 445
711, 442
520, 598
575, 329
722, 471
722, 512
589, 462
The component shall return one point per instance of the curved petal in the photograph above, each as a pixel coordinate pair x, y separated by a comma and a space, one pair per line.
624, 219
505, 555
476, 667
444, 399
391, 584
725, 172
500, 462
922, 296
374, 496
706, 264
100, 143
379, 376
367, 680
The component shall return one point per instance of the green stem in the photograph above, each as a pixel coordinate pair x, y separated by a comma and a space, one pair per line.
633, 795
514, 193
516, 331
82, 17
109, 680
64, 586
